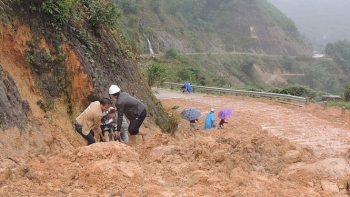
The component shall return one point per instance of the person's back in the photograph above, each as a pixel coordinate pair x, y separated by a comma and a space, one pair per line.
132, 108
129, 106
188, 87
90, 119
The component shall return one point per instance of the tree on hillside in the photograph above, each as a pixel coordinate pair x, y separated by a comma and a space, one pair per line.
340, 52
155, 73
171, 53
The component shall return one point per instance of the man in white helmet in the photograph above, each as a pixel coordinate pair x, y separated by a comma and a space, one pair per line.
133, 109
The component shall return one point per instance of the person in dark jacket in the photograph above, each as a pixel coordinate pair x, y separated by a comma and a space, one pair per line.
133, 109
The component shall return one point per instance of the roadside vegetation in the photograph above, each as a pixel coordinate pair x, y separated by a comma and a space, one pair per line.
309, 77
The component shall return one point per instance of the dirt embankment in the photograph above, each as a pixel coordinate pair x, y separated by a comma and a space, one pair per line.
266, 149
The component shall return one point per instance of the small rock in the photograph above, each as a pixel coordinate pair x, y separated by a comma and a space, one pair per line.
292, 156
219, 156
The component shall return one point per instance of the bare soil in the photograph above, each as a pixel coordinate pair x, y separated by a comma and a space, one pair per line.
267, 149
326, 131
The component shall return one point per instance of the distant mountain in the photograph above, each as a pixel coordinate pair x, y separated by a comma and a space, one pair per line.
207, 26
319, 21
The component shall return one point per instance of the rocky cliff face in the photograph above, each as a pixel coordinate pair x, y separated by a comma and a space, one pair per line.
13, 109
49, 76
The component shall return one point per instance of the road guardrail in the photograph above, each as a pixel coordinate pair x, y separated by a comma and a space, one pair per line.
285, 98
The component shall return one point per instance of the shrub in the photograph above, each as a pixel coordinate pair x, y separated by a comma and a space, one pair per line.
103, 13
58, 10
171, 53
155, 73
296, 90
173, 123
303, 91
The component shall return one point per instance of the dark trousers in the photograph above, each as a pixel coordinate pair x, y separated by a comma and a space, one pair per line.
135, 125
89, 138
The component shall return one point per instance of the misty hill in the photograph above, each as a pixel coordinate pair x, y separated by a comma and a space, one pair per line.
320, 21
211, 27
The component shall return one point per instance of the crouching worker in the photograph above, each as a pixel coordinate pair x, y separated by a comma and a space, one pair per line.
90, 120
109, 126
133, 109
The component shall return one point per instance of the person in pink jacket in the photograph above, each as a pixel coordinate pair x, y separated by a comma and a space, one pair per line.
89, 121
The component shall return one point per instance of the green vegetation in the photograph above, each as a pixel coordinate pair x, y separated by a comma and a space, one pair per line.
155, 73
103, 13
305, 76
347, 93
60, 12
82, 19
345, 104
199, 21
173, 122
302, 91
45, 106
170, 53
57, 11
196, 22
340, 52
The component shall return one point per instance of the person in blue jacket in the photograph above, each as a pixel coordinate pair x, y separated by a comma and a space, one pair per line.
188, 87
210, 120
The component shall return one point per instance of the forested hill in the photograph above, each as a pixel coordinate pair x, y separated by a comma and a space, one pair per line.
210, 26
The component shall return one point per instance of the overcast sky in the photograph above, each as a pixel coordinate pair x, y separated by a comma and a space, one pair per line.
320, 21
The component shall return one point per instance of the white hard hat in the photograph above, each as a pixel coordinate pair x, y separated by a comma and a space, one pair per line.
114, 89
212, 109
